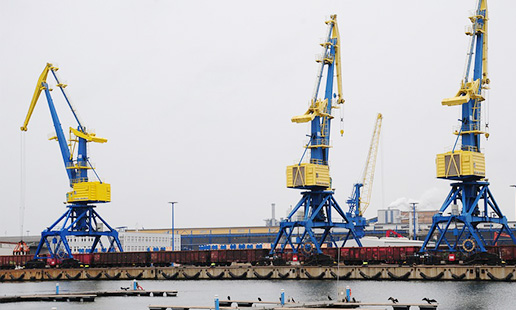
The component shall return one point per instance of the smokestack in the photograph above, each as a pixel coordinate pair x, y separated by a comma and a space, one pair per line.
273, 211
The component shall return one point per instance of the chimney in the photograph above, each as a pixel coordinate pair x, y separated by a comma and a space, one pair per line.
273, 211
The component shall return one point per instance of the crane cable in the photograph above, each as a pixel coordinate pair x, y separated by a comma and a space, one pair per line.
486, 114
22, 181
381, 171
342, 120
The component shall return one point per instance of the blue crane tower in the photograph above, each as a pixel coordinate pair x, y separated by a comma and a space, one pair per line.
320, 211
470, 202
80, 219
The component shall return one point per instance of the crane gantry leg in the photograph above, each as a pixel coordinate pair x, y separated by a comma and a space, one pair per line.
460, 231
77, 221
308, 234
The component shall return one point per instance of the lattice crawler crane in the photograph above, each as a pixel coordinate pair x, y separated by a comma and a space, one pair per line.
80, 219
361, 195
321, 213
470, 202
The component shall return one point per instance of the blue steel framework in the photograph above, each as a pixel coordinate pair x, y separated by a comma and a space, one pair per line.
471, 191
318, 203
355, 212
80, 219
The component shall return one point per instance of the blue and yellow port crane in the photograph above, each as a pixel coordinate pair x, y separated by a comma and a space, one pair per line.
311, 222
80, 219
470, 201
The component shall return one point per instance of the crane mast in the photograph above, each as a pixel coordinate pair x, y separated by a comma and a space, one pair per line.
311, 221
470, 199
80, 219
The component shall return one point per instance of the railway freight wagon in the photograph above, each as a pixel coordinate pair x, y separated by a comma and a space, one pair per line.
507, 253
349, 256
196, 258
377, 255
119, 259
227, 257
13, 261
208, 258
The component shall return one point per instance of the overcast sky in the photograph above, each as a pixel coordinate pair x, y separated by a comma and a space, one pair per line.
195, 98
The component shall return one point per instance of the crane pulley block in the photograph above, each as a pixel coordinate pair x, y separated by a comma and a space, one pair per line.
90, 192
306, 175
461, 164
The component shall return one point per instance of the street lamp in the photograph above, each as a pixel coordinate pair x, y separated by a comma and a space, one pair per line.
172, 203
414, 204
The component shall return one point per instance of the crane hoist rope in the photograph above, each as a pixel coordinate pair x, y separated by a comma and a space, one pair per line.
21, 247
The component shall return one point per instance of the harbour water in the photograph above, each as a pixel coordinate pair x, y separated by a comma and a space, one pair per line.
450, 295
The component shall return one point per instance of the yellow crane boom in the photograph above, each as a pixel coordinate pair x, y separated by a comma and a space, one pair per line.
368, 177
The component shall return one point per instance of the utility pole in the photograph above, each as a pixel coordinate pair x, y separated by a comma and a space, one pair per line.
173, 236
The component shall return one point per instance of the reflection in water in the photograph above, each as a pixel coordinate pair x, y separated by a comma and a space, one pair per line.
450, 295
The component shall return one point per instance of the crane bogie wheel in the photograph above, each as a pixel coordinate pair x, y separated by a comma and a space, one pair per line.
308, 248
469, 245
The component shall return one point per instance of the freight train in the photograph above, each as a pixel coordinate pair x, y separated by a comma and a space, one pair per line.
400, 255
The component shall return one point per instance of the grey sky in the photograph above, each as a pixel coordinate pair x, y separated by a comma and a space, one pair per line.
195, 98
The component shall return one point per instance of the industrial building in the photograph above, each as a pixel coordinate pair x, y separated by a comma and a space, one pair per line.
132, 241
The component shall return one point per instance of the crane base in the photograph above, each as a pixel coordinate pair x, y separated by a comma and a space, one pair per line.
307, 235
77, 221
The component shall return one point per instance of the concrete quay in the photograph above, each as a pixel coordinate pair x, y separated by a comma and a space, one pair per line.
376, 272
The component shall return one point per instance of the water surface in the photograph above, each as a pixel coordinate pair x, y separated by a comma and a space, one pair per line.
450, 295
